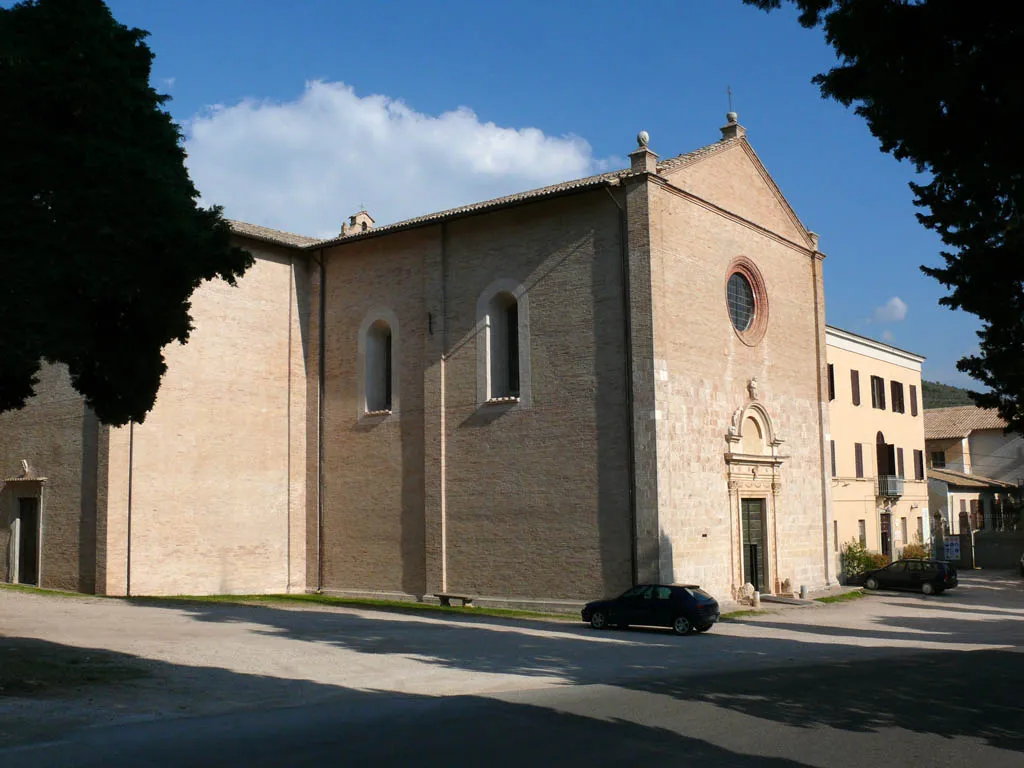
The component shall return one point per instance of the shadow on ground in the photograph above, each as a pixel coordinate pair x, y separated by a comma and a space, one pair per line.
332, 725
949, 693
808, 678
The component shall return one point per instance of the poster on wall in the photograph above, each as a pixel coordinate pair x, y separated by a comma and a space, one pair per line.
952, 549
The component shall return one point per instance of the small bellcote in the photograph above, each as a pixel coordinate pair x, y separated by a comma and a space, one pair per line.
357, 223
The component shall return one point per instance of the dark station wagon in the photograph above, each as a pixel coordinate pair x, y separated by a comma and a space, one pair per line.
928, 576
683, 607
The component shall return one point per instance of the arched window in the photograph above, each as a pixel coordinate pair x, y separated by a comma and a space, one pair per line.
885, 455
503, 346
378, 367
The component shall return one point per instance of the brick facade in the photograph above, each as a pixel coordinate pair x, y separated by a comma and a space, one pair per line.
620, 460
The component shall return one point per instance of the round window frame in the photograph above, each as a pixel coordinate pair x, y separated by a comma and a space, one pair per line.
754, 332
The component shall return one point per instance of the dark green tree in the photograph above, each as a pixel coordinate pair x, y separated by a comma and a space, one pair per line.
938, 82
102, 242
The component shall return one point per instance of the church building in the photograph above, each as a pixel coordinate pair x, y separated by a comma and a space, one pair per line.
542, 398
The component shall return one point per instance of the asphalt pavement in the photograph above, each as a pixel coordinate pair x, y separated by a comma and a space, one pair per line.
888, 680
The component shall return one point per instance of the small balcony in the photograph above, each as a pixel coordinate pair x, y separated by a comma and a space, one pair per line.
890, 486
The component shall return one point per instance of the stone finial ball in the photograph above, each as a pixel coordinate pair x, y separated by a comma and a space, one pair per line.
643, 138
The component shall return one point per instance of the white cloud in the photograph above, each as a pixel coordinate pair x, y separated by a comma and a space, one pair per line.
894, 310
306, 165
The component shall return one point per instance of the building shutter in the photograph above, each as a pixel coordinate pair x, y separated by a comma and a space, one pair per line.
855, 386
919, 465
897, 396
913, 400
831, 382
877, 392
899, 462
858, 454
833, 446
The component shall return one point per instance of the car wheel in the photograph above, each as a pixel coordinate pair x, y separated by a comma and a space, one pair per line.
681, 625
871, 584
928, 588
598, 620
704, 627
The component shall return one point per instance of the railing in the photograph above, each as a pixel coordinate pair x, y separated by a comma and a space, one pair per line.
890, 486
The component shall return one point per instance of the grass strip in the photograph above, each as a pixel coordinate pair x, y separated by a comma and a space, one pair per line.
844, 597
44, 592
741, 614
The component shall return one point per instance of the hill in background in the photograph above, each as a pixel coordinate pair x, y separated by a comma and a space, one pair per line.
936, 395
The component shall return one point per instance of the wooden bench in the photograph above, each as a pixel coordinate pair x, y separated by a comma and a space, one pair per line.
446, 599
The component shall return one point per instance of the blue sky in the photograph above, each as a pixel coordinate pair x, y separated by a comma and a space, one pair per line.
297, 113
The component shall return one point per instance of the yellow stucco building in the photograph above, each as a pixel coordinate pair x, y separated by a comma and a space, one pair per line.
876, 444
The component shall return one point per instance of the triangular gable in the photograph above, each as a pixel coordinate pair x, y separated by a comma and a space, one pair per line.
734, 178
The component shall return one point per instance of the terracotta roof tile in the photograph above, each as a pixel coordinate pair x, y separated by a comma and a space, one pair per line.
497, 202
269, 235
963, 480
959, 421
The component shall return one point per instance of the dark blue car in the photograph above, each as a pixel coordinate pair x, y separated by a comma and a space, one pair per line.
685, 608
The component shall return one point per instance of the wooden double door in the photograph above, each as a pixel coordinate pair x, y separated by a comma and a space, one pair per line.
755, 542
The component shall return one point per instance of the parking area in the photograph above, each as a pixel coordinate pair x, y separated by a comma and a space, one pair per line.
209, 658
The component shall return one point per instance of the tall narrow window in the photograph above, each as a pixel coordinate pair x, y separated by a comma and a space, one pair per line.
903, 530
833, 446
918, 465
503, 346
877, 392
897, 396
512, 329
831, 382
835, 535
899, 462
862, 533
920, 529
913, 400
378, 368
855, 386
858, 457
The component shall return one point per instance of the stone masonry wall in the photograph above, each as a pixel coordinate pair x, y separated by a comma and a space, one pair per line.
62, 441
703, 370
218, 467
526, 500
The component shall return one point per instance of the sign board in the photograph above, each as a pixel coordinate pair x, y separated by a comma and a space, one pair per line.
952, 549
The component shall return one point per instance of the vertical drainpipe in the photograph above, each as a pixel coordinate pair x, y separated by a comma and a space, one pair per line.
321, 365
628, 326
128, 550
822, 410
288, 440
443, 406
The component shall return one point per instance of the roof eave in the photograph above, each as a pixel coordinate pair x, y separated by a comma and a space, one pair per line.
430, 221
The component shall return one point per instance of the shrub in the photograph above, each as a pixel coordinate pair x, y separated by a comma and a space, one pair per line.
856, 560
876, 560
916, 551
